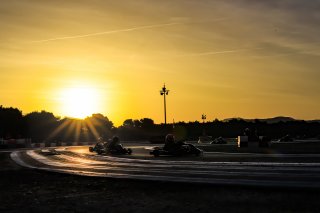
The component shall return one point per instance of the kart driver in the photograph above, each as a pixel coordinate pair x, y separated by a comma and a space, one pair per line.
100, 143
114, 143
171, 145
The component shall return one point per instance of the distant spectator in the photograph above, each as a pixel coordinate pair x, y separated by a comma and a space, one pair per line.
252, 136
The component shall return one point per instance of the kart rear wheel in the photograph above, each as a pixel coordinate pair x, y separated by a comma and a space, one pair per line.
156, 153
129, 151
199, 153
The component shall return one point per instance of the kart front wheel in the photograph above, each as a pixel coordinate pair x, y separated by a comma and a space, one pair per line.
156, 153
199, 153
129, 151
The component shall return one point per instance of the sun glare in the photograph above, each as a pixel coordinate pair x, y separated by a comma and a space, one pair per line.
80, 102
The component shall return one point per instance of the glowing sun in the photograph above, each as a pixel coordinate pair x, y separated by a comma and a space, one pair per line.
80, 102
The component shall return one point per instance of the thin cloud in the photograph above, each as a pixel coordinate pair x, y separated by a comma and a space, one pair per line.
219, 52
286, 54
296, 49
126, 30
107, 32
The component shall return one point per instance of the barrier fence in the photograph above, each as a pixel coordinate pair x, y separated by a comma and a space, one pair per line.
27, 143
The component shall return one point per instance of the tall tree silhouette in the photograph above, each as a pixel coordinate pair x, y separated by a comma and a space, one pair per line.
99, 126
11, 123
40, 125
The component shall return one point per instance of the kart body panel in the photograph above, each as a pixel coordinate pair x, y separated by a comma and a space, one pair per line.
104, 149
185, 149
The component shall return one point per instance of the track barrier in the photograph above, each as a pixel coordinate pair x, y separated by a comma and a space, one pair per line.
27, 143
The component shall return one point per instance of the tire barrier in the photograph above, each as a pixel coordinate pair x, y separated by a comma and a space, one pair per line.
257, 142
65, 144
15, 143
26, 143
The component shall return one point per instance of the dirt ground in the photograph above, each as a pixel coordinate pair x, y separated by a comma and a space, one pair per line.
26, 190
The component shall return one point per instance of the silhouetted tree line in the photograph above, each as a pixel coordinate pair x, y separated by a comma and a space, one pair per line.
44, 126
145, 129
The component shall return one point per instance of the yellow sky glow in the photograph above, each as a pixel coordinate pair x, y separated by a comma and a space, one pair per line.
222, 58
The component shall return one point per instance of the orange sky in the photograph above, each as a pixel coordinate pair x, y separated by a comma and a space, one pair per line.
223, 58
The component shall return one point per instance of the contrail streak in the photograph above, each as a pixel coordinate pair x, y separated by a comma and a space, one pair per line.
219, 52
107, 32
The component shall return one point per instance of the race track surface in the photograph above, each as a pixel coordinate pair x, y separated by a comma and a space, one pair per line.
284, 170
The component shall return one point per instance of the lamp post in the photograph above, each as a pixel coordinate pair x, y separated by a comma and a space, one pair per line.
203, 117
164, 92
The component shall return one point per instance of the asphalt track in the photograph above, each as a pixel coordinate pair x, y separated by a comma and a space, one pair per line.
252, 169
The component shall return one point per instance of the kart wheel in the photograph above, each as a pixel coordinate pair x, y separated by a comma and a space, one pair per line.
90, 149
156, 153
129, 151
200, 153
99, 152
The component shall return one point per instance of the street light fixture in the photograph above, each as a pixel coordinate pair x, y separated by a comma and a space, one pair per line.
203, 117
164, 92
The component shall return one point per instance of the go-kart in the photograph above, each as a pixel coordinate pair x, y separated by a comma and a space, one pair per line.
286, 138
219, 140
98, 148
102, 148
179, 150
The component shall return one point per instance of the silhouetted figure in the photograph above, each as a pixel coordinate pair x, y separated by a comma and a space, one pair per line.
247, 132
251, 135
99, 147
112, 146
169, 144
114, 143
115, 147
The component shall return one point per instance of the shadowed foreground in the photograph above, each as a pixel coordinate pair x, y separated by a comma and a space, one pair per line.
36, 191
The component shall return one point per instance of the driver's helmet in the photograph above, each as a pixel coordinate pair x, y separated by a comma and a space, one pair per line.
170, 139
115, 140
247, 132
100, 140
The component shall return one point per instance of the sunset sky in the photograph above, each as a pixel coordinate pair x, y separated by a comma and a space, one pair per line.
223, 58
